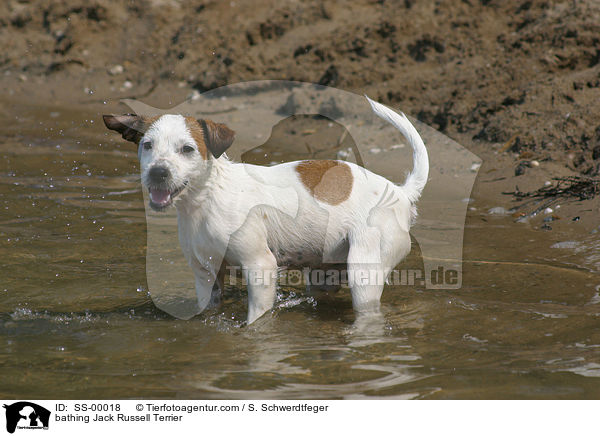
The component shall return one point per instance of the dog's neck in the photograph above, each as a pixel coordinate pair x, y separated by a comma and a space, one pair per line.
204, 190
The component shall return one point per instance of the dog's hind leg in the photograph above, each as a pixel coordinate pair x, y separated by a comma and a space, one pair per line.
366, 270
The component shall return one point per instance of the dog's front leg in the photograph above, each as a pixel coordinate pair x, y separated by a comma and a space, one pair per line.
207, 291
261, 276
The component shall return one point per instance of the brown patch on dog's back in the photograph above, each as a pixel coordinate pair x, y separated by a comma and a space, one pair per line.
198, 135
328, 181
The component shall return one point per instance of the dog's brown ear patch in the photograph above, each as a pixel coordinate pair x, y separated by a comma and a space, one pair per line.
217, 137
131, 126
328, 181
198, 135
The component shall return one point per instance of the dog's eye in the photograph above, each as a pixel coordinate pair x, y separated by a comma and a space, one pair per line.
147, 145
187, 149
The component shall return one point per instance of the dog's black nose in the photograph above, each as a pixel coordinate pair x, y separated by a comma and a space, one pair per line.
159, 174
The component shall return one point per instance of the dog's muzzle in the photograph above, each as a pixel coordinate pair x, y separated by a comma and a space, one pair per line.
159, 175
161, 198
161, 195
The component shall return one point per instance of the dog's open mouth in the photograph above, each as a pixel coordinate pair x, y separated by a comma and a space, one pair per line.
161, 198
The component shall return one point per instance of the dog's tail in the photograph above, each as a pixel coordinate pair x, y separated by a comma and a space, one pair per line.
416, 180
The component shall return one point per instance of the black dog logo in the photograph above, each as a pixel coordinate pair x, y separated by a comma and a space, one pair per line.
30, 413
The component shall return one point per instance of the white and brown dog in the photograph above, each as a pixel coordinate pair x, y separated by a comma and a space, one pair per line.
338, 213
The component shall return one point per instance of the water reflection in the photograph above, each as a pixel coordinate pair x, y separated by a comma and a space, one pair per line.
341, 361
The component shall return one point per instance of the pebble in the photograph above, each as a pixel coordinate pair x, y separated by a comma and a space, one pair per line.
396, 146
548, 210
520, 169
547, 183
497, 211
115, 70
127, 85
475, 167
194, 95
375, 150
534, 163
343, 154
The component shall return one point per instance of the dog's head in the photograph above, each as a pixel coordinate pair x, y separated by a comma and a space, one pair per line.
173, 150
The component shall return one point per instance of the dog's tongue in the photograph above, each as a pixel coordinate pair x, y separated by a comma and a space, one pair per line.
160, 196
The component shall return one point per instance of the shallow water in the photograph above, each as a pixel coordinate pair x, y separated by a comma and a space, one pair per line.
76, 320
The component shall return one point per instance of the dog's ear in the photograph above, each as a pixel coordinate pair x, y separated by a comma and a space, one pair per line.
130, 126
217, 137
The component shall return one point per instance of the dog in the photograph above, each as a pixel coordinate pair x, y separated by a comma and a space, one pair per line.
304, 213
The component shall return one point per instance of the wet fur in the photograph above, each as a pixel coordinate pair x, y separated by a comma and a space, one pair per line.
263, 218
